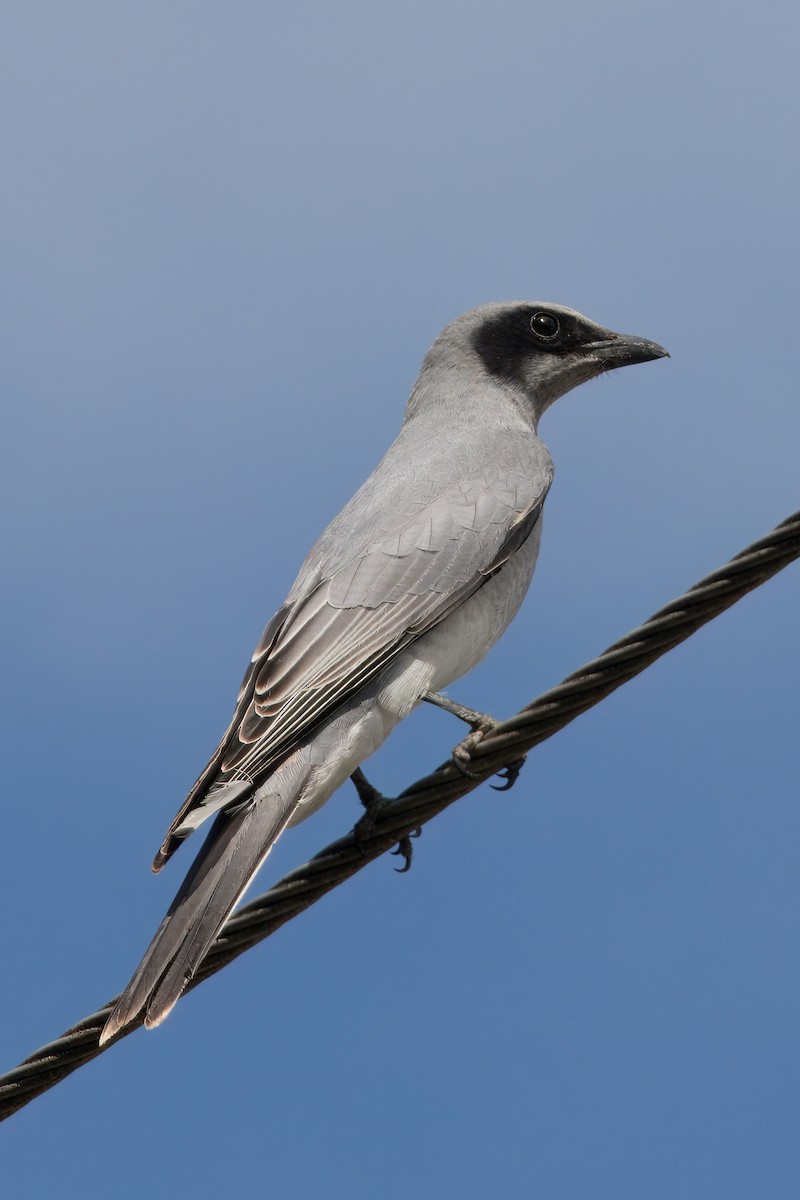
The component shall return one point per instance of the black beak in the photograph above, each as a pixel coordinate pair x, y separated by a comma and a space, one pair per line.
623, 349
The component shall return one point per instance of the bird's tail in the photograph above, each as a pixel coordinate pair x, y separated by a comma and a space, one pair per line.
236, 846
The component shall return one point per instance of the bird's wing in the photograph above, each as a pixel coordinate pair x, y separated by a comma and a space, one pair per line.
325, 645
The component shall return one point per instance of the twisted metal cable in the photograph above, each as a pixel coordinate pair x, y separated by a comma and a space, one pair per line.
425, 799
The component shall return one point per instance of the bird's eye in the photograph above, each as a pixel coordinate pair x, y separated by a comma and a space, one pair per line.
545, 325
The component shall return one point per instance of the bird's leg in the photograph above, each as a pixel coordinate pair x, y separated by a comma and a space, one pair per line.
470, 716
368, 794
480, 724
373, 802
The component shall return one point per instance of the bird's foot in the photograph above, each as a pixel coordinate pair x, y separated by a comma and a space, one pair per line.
374, 802
405, 848
480, 724
509, 775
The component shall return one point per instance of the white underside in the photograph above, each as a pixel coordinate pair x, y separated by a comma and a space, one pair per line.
451, 649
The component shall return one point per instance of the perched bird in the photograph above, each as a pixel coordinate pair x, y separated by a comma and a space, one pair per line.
406, 590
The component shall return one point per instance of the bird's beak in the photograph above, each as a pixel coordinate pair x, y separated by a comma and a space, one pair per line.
623, 349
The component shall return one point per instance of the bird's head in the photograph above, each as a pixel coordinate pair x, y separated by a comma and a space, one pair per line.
537, 351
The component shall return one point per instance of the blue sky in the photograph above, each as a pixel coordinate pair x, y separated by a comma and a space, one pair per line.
229, 234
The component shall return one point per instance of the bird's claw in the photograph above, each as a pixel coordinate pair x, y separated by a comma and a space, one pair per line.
509, 775
480, 724
406, 848
373, 802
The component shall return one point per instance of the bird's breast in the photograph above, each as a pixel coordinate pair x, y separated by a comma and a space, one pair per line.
461, 640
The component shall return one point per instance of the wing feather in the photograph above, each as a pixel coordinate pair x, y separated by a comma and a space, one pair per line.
336, 633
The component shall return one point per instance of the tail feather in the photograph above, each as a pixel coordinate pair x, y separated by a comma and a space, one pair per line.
234, 849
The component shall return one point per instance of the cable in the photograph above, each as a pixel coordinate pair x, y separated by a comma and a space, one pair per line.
426, 798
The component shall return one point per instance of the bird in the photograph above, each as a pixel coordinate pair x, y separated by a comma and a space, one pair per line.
404, 592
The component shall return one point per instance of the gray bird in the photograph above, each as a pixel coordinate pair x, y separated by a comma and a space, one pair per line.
406, 590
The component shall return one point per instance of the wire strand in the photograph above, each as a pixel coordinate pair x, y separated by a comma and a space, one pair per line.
429, 796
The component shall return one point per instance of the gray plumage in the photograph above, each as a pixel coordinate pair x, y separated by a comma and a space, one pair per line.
405, 591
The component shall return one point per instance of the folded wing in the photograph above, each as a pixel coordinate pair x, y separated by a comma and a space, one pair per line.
340, 631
